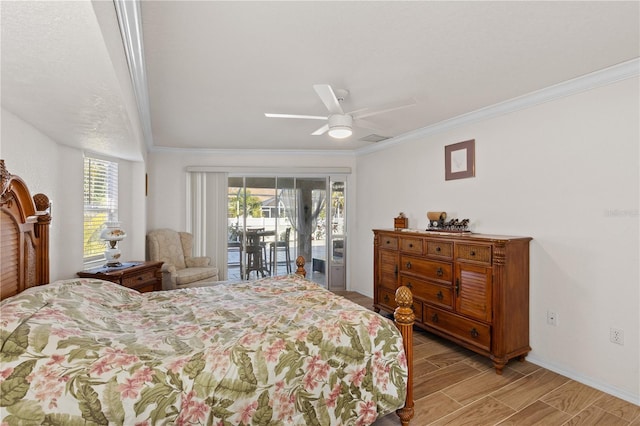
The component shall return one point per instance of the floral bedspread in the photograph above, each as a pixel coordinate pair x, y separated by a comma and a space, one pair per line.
279, 351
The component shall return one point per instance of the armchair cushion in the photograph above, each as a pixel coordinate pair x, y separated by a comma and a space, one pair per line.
180, 269
190, 275
197, 262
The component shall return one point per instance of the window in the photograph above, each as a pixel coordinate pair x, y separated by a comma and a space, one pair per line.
100, 203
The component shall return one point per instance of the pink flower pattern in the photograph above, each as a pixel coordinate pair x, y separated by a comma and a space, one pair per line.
273, 351
356, 375
247, 412
193, 410
367, 413
5, 373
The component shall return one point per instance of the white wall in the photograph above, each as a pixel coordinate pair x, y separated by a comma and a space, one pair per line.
57, 171
565, 173
36, 158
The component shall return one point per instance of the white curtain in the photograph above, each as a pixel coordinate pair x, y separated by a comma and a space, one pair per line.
289, 198
207, 216
196, 211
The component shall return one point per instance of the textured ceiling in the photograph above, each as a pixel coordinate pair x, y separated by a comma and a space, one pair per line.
214, 68
67, 76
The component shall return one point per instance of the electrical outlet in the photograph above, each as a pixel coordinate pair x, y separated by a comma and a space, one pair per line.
616, 335
552, 318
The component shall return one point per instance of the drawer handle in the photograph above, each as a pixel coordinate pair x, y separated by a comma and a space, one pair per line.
440, 296
472, 253
457, 286
413, 307
386, 298
410, 245
434, 318
388, 242
439, 272
139, 278
409, 285
408, 265
474, 333
438, 249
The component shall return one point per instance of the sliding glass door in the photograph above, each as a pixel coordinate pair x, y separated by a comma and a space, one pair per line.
272, 220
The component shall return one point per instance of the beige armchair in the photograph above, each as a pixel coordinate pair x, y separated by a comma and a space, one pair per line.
180, 269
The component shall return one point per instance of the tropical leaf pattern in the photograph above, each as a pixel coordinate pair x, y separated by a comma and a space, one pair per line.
278, 351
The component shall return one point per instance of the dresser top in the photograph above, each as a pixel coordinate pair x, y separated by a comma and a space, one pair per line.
454, 235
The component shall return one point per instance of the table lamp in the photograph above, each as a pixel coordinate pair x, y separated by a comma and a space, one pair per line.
112, 233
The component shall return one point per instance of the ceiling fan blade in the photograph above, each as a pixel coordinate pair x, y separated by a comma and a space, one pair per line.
384, 108
366, 124
322, 130
309, 117
328, 98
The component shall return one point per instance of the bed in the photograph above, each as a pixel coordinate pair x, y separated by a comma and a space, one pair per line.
279, 351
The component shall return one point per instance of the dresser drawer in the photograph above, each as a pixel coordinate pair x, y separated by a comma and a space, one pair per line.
475, 253
427, 269
440, 249
387, 298
150, 286
464, 329
411, 245
388, 242
141, 279
417, 309
429, 292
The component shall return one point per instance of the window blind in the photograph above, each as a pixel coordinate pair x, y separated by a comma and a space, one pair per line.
100, 203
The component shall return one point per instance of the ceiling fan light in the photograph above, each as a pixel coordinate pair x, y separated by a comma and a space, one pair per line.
340, 126
340, 132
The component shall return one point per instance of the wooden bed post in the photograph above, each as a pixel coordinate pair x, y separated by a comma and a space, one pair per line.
404, 318
43, 207
300, 264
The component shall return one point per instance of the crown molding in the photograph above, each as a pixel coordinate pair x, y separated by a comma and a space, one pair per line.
590, 81
257, 152
130, 22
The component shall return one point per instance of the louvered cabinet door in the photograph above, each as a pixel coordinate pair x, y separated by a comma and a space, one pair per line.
388, 269
385, 280
473, 291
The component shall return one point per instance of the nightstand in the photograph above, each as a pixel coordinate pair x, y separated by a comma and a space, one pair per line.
141, 276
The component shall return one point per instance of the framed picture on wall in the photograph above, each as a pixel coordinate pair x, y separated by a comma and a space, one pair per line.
459, 160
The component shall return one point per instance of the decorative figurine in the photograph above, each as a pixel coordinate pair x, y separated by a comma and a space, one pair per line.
437, 223
400, 222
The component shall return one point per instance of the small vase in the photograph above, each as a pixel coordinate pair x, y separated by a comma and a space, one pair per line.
112, 254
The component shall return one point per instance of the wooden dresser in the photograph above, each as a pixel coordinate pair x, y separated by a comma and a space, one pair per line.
472, 289
141, 276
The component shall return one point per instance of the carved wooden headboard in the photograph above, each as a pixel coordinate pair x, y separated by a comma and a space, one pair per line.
24, 236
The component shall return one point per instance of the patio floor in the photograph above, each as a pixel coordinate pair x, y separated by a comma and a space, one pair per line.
317, 252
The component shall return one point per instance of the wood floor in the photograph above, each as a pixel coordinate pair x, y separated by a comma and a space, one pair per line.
454, 386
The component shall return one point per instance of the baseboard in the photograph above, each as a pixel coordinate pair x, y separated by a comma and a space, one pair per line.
611, 390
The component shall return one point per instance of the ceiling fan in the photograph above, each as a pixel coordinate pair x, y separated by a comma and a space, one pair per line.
340, 124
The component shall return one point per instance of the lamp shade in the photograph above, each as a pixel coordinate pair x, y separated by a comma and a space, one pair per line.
113, 232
